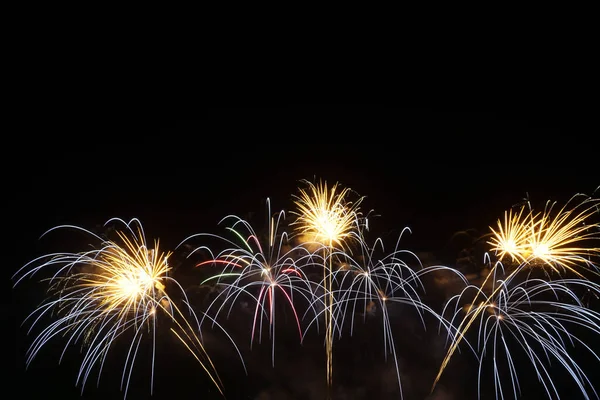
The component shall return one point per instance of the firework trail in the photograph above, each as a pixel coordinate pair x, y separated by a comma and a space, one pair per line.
532, 314
327, 216
554, 244
98, 295
366, 282
261, 268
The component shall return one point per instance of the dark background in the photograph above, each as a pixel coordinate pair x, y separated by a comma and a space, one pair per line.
436, 171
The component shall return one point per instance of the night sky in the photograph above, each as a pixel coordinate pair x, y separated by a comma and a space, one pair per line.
446, 175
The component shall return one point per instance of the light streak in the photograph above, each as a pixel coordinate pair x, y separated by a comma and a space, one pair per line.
98, 295
262, 268
326, 215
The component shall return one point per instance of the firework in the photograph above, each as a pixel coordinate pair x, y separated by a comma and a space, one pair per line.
511, 237
118, 287
561, 241
327, 216
373, 279
536, 318
260, 267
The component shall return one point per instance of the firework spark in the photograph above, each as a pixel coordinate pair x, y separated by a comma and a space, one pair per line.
536, 318
560, 241
117, 287
511, 239
261, 268
374, 279
327, 216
